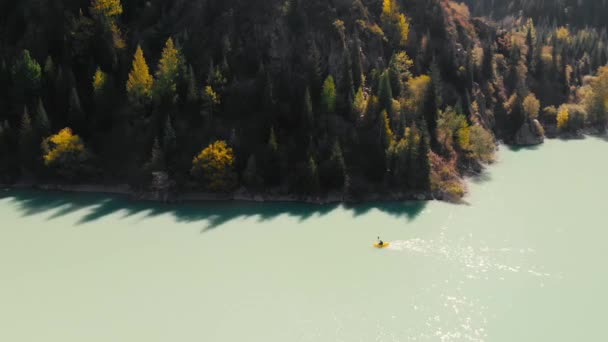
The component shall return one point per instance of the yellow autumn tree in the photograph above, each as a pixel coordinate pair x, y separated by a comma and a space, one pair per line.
388, 132
215, 166
107, 8
417, 88
168, 70
117, 39
107, 12
595, 98
452, 127
395, 23
464, 136
481, 144
100, 81
64, 152
563, 116
139, 84
211, 99
563, 34
531, 106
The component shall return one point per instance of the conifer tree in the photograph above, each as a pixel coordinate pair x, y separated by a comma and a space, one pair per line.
385, 92
346, 91
359, 103
250, 175
169, 137
272, 141
423, 181
139, 84
399, 72
272, 163
100, 82
357, 69
26, 129
192, 95
27, 141
328, 95
75, 114
168, 71
211, 99
27, 75
308, 110
313, 176
157, 158
42, 120
49, 71
336, 169
430, 112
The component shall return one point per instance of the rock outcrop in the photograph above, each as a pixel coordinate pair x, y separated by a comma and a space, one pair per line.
531, 133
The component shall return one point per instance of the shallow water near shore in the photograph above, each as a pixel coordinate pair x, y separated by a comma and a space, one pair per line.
523, 260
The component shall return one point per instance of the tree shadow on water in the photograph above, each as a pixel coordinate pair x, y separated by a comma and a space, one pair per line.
96, 207
514, 148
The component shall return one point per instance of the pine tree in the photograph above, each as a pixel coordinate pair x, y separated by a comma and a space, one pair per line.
430, 111
100, 82
315, 68
358, 76
210, 100
423, 183
308, 110
27, 75
139, 84
169, 137
272, 163
531, 45
313, 176
168, 70
338, 168
76, 115
438, 83
359, 104
385, 92
346, 91
26, 124
413, 169
272, 141
27, 141
328, 95
388, 137
42, 120
49, 70
157, 158
250, 175
191, 90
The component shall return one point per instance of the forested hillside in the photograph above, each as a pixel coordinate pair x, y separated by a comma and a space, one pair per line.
580, 13
299, 97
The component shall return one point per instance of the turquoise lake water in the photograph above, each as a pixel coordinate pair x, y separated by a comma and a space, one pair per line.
523, 260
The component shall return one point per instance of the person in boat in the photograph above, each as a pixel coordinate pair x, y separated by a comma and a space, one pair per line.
380, 242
